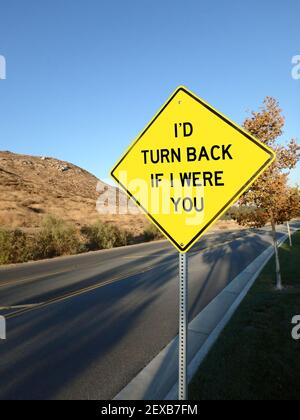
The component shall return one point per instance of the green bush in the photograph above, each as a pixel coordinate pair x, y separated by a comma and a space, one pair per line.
13, 246
104, 236
151, 233
56, 238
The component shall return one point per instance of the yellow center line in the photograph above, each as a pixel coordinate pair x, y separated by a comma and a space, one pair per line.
33, 278
78, 292
99, 285
8, 307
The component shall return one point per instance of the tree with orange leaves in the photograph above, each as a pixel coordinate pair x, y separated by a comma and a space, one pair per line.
270, 199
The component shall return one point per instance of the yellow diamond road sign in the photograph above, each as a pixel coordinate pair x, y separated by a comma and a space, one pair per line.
188, 166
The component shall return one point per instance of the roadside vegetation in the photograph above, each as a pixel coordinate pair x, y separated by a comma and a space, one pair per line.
256, 357
57, 238
13, 246
271, 199
105, 236
54, 239
151, 233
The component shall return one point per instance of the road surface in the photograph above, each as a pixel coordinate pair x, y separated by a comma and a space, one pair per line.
82, 327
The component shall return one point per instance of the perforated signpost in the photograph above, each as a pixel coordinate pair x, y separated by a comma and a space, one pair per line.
185, 170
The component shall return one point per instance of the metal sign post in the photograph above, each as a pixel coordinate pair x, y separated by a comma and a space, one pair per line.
183, 326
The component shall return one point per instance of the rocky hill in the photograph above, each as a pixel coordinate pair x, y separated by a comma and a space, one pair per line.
32, 187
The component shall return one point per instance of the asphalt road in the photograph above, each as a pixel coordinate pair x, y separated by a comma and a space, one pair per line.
82, 327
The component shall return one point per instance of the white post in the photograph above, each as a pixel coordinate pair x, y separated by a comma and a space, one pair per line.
183, 326
278, 271
2, 328
289, 232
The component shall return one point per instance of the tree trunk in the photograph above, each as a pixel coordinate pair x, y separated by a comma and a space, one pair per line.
278, 272
289, 232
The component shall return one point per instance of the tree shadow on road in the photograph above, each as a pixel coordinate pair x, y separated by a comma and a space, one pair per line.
78, 349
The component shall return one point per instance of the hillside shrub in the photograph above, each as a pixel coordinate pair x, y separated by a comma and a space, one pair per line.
13, 246
56, 238
151, 233
104, 236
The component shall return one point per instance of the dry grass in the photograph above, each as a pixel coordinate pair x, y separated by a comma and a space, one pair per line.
33, 187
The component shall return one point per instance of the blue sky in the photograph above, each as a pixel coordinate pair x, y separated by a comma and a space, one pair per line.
85, 77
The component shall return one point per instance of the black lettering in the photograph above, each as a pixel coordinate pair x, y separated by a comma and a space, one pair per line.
156, 179
196, 179
176, 156
185, 179
176, 130
218, 179
203, 153
176, 203
191, 154
165, 155
187, 129
207, 178
225, 151
212, 153
172, 180
187, 204
145, 152
152, 180
156, 158
201, 208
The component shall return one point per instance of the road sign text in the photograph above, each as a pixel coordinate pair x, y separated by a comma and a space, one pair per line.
189, 165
